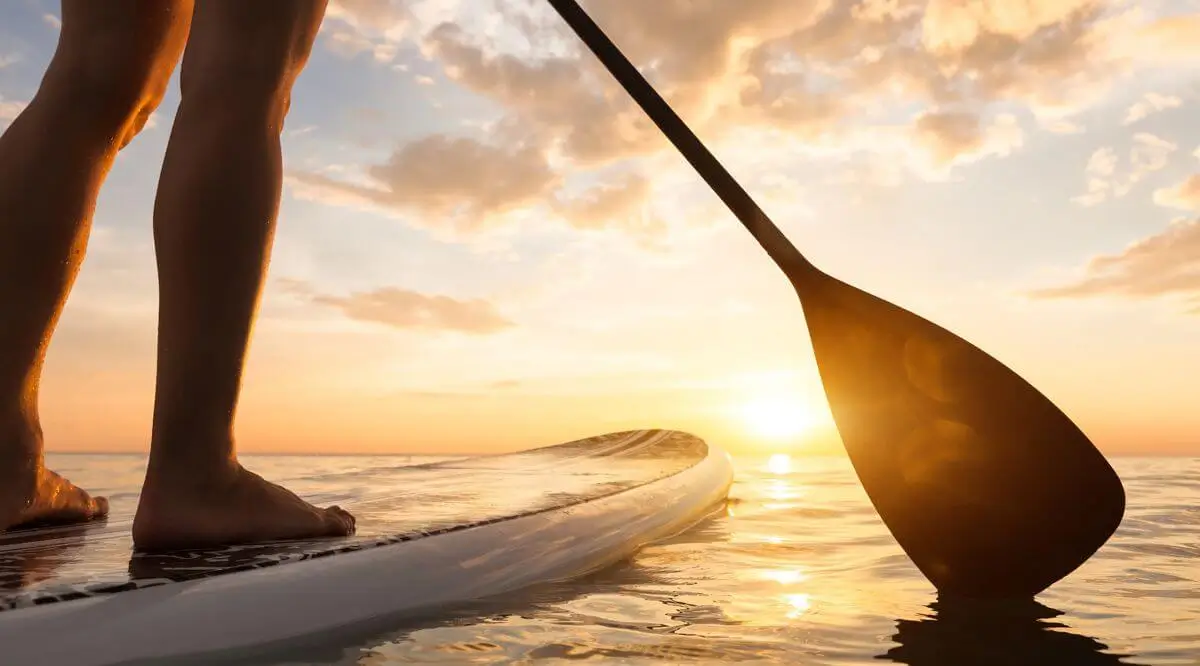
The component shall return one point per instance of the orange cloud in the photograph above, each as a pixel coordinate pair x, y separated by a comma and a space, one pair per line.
954, 136
829, 74
381, 15
616, 204
1107, 180
1149, 104
816, 69
1165, 264
591, 124
1170, 39
451, 182
376, 26
406, 309
466, 186
1185, 195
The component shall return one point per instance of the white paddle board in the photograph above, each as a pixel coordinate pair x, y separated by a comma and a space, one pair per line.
428, 536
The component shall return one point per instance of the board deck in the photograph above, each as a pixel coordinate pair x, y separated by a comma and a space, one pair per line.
392, 505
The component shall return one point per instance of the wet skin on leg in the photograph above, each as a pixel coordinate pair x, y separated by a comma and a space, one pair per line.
108, 73
214, 221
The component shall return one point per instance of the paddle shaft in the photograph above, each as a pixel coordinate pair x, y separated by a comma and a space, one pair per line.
685, 140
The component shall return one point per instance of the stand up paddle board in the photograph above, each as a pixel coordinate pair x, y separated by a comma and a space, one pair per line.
428, 535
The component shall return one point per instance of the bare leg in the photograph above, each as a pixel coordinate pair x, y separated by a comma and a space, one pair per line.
214, 222
110, 69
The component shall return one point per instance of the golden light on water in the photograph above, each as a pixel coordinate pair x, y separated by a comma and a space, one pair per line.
785, 576
798, 603
780, 491
782, 495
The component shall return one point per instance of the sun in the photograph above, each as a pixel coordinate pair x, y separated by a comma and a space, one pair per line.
777, 418
779, 463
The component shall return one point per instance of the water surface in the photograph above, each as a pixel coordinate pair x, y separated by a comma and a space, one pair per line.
798, 569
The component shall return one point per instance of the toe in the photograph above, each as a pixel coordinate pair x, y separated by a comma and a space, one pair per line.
346, 515
339, 522
99, 507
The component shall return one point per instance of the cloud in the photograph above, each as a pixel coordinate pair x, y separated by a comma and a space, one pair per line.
1048, 56
9, 59
1169, 40
406, 309
927, 86
1060, 126
1166, 264
9, 110
782, 96
731, 70
1185, 195
805, 67
448, 182
952, 26
346, 41
951, 137
300, 131
380, 15
461, 187
1106, 180
1150, 104
620, 203
704, 56
817, 69
1100, 169
375, 26
551, 97
52, 20
714, 78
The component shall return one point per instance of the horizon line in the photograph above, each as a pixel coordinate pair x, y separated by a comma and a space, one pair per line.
365, 454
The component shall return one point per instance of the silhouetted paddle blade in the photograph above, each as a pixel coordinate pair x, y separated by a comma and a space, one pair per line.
988, 487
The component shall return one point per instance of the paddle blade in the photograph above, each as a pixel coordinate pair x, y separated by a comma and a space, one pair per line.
988, 487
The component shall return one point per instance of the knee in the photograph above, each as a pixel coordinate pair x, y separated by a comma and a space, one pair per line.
113, 86
245, 82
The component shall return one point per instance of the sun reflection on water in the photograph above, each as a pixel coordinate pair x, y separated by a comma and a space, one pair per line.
799, 603
785, 576
778, 489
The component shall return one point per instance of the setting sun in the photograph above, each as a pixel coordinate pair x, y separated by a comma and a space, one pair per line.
777, 417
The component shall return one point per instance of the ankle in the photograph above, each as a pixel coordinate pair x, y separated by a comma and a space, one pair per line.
175, 470
191, 446
20, 438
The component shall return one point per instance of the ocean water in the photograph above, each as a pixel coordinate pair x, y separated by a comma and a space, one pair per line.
797, 569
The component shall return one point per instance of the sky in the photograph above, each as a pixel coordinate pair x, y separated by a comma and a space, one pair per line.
484, 246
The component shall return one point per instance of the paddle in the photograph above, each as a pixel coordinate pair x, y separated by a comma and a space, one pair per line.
987, 486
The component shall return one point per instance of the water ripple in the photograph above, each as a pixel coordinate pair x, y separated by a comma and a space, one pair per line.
800, 570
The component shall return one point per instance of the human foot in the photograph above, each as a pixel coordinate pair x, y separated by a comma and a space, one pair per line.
233, 507
33, 496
